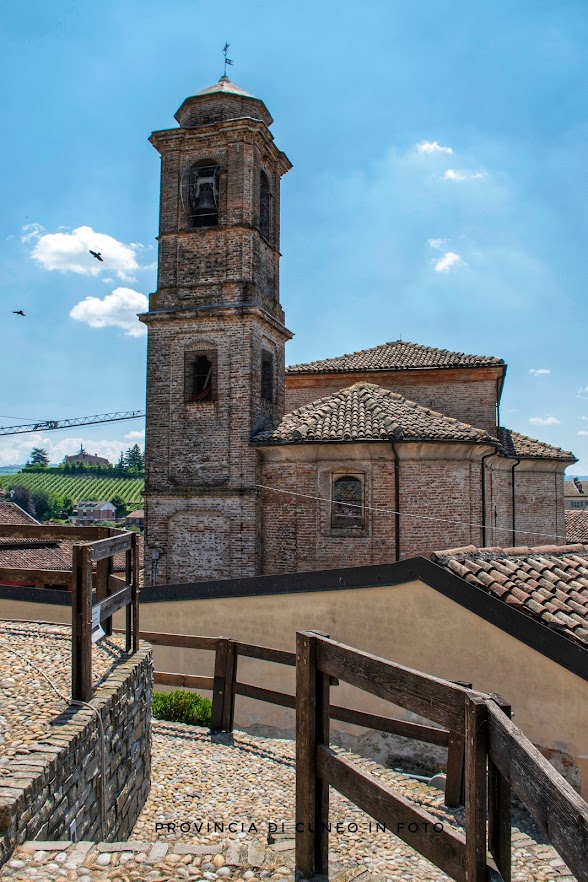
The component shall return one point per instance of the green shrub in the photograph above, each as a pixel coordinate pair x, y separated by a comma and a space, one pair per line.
182, 707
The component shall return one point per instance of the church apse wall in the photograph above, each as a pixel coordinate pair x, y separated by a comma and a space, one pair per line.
467, 395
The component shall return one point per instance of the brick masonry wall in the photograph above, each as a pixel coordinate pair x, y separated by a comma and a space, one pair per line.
539, 518
440, 503
468, 395
57, 783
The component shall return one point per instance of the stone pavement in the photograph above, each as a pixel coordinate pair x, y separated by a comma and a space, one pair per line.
210, 810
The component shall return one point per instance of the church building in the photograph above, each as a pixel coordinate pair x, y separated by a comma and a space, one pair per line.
255, 469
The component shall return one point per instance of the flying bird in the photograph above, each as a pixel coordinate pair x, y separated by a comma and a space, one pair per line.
96, 254
18, 312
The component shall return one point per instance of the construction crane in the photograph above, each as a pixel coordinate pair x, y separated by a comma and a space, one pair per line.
49, 425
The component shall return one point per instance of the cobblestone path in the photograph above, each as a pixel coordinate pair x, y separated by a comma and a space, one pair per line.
202, 786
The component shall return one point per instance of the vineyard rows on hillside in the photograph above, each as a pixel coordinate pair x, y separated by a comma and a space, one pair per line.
78, 487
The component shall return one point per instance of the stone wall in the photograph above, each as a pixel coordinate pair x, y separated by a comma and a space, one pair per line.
53, 792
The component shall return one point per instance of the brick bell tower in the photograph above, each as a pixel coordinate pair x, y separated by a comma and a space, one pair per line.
215, 365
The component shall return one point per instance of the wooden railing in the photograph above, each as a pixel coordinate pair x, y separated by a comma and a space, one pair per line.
497, 757
225, 686
88, 615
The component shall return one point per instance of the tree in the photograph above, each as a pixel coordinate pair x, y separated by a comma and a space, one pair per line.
39, 457
120, 505
134, 458
42, 504
22, 496
68, 505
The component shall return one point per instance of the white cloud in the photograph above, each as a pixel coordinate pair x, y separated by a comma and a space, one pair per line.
433, 147
544, 421
17, 448
71, 252
447, 262
454, 174
30, 232
582, 393
581, 433
539, 372
117, 310
435, 243
135, 435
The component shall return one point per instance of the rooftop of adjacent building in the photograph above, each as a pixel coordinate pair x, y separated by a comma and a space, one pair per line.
549, 583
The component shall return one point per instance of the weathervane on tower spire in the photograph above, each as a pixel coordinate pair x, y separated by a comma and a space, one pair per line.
227, 60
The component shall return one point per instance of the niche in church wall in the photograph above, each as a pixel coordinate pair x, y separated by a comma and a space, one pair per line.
198, 546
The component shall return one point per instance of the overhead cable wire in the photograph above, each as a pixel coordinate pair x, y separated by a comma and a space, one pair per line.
407, 515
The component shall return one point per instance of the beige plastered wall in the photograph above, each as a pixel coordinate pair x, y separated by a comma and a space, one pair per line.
411, 624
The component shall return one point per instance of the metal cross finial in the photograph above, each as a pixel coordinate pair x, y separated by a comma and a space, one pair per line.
227, 60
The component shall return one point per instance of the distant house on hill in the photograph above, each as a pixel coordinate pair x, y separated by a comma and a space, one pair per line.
85, 512
575, 495
87, 458
135, 519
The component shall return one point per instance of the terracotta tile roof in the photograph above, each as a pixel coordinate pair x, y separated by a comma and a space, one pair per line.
46, 554
398, 355
575, 488
11, 513
547, 582
524, 447
576, 526
366, 412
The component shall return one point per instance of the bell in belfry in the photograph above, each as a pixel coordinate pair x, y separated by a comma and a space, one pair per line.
204, 196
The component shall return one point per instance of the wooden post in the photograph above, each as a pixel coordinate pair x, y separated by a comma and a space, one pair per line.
499, 810
135, 594
223, 691
454, 780
475, 787
129, 624
228, 707
312, 794
103, 571
81, 650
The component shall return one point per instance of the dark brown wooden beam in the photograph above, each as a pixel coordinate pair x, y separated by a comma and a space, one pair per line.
558, 809
444, 848
114, 545
265, 653
187, 681
420, 693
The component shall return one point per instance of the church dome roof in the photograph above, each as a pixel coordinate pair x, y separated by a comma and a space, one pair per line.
227, 86
219, 102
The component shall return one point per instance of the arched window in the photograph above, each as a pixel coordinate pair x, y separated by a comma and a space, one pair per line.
200, 379
200, 194
347, 502
265, 198
267, 376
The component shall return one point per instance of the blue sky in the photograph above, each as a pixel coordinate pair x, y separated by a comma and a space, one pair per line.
438, 190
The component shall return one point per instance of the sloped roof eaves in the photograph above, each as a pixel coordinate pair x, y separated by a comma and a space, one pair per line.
549, 583
518, 446
396, 355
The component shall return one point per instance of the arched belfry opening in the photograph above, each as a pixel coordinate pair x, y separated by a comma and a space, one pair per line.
201, 193
265, 197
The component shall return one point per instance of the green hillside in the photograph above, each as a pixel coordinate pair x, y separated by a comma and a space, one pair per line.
78, 487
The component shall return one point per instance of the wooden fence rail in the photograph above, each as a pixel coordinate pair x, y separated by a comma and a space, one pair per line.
225, 687
88, 614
